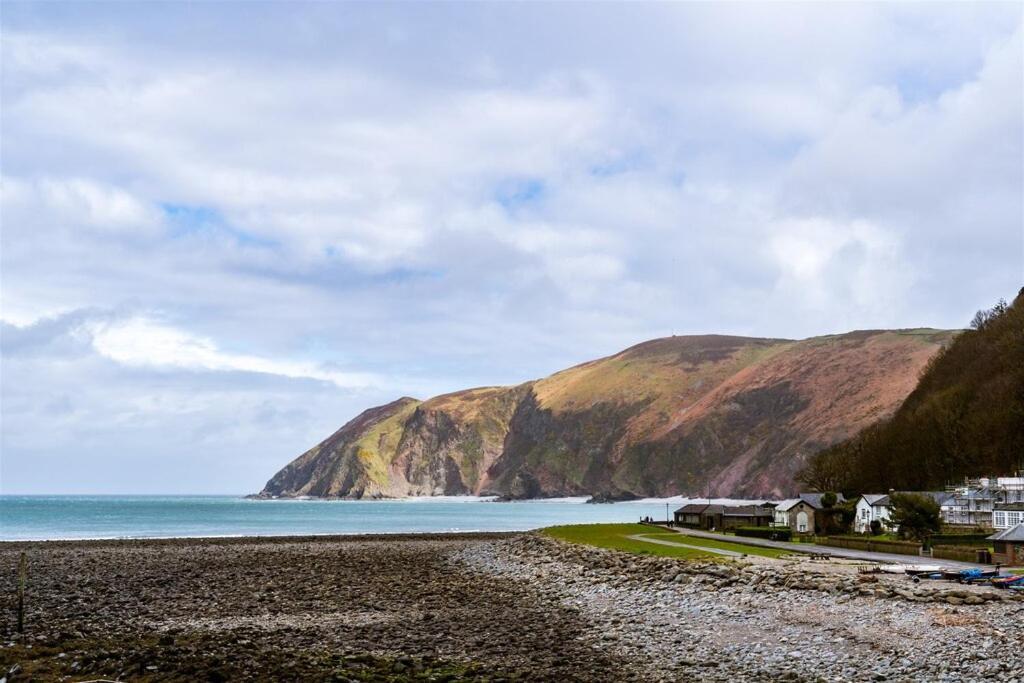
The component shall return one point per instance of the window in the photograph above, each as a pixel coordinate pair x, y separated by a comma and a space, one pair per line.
999, 519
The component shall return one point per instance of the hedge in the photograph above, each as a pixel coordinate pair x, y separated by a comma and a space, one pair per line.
773, 533
900, 547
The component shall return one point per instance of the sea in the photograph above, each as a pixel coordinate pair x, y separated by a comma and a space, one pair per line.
88, 517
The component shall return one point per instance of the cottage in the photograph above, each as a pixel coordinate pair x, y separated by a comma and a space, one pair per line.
782, 508
872, 507
878, 507
723, 517
1007, 515
1009, 545
807, 515
689, 515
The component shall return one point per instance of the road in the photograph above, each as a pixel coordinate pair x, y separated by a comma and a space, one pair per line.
807, 548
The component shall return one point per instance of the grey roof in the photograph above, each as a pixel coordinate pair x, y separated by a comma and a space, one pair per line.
1013, 507
976, 494
814, 499
940, 497
748, 511
692, 508
727, 510
1014, 534
876, 499
788, 504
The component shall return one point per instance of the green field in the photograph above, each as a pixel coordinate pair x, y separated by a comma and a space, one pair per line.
616, 537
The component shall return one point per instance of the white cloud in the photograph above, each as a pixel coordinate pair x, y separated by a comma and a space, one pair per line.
143, 342
71, 203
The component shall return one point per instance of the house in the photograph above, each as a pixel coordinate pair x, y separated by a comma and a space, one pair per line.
723, 517
1006, 515
872, 507
689, 515
969, 507
973, 502
878, 507
1009, 545
807, 515
782, 508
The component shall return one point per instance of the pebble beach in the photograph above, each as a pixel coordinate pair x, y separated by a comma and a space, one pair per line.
482, 607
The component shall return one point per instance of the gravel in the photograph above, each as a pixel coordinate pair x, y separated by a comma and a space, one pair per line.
769, 620
482, 607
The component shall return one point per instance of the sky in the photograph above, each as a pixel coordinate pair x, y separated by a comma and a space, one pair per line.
228, 228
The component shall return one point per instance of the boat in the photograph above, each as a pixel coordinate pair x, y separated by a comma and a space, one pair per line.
976, 575
1008, 581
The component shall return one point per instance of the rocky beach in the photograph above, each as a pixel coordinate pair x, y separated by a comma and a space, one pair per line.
482, 607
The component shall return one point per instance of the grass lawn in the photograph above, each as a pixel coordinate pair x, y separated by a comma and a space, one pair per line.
615, 536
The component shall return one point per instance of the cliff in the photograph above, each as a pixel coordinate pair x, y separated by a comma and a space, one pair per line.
738, 415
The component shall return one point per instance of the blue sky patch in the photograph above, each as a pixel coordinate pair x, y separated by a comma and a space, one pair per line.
518, 193
186, 220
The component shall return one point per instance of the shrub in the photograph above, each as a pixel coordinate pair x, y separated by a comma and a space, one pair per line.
876, 527
915, 516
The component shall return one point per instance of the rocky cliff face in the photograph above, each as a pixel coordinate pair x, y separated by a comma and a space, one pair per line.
735, 415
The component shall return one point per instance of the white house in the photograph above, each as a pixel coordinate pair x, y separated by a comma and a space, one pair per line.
973, 503
1007, 516
872, 507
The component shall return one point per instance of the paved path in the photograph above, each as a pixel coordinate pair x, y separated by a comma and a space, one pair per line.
716, 551
846, 553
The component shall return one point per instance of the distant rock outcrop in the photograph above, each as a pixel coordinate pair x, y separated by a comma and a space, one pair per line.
676, 415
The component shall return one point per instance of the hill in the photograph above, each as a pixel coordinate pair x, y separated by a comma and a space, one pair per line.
676, 415
965, 418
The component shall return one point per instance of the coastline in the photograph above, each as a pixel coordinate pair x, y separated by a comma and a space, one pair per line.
474, 607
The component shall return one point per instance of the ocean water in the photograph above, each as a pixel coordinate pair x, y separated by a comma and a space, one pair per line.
69, 517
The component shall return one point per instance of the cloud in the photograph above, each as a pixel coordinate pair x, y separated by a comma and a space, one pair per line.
143, 342
209, 232
78, 203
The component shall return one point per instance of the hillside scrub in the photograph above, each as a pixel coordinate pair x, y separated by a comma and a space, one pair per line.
964, 419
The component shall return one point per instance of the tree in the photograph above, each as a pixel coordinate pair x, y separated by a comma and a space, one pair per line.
876, 527
965, 418
915, 516
828, 500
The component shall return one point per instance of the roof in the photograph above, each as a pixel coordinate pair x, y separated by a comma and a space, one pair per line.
784, 505
727, 510
692, 508
876, 499
1013, 507
940, 497
975, 494
1014, 534
814, 499
748, 511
